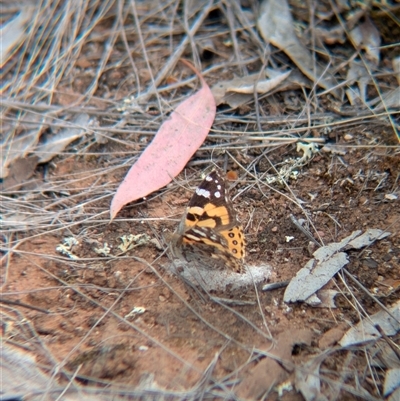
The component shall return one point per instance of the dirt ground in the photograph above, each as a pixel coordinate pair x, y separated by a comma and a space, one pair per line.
90, 327
118, 320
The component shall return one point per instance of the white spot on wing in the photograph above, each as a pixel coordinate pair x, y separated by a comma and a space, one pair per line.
219, 186
217, 194
208, 178
199, 234
193, 237
203, 192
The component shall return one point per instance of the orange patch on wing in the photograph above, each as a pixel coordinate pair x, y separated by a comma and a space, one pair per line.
235, 239
220, 211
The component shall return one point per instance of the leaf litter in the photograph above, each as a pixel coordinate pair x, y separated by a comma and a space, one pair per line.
366, 330
328, 260
54, 145
239, 90
176, 141
88, 58
13, 32
276, 26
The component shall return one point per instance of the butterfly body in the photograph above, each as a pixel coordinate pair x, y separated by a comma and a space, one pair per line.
209, 233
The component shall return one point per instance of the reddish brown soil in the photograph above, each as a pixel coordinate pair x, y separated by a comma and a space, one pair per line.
180, 333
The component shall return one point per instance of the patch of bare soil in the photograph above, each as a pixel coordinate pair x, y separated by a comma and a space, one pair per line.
124, 318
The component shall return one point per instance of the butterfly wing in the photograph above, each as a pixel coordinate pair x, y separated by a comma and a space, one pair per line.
209, 232
214, 250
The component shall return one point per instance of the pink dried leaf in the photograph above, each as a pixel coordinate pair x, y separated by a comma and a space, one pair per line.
174, 144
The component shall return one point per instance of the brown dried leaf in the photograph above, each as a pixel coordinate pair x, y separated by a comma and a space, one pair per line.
275, 24
55, 144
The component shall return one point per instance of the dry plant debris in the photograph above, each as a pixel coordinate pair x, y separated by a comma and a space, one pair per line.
365, 330
172, 147
86, 87
327, 262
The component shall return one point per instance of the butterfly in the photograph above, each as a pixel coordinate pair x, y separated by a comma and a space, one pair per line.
209, 233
